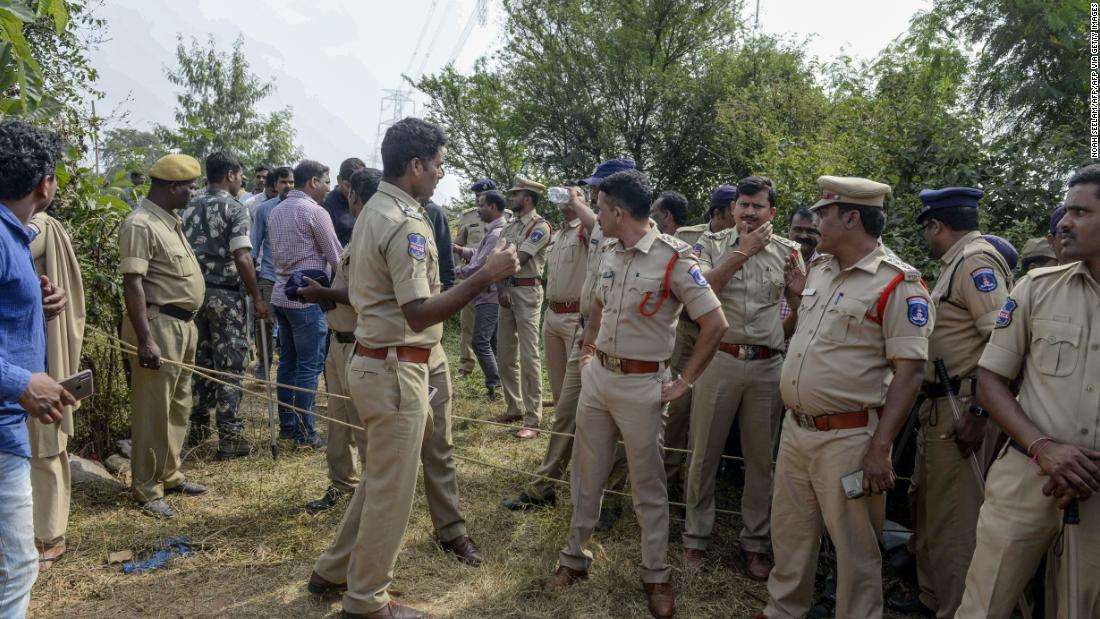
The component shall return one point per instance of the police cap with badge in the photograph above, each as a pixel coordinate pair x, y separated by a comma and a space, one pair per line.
607, 168
176, 169
850, 190
948, 197
483, 184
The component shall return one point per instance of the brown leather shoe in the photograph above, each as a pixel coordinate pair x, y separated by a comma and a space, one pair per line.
694, 559
392, 610
527, 433
322, 587
464, 548
661, 599
506, 418
757, 565
563, 578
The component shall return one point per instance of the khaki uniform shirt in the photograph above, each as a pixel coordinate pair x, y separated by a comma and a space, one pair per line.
470, 229
343, 317
750, 299
152, 245
530, 234
567, 264
972, 287
839, 357
597, 245
1049, 328
393, 261
692, 234
639, 311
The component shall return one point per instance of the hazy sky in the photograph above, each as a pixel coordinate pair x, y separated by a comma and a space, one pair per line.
333, 61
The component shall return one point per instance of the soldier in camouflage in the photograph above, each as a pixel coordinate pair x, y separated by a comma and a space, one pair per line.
216, 225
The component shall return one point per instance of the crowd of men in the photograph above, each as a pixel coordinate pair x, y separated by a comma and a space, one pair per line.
820, 346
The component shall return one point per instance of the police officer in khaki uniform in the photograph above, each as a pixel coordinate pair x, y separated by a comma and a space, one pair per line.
1048, 331
559, 450
520, 310
646, 279
566, 261
850, 377
395, 289
717, 218
470, 231
164, 289
1037, 253
343, 441
973, 285
745, 265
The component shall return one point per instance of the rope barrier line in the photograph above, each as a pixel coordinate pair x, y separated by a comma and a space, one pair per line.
565, 483
206, 373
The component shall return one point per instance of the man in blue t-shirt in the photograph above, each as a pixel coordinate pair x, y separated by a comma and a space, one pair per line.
28, 158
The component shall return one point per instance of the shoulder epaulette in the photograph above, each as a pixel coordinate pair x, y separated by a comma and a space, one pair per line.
721, 234
821, 259
784, 241
1048, 271
695, 228
411, 213
676, 244
911, 274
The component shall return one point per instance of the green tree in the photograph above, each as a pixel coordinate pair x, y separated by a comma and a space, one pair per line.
217, 107
126, 149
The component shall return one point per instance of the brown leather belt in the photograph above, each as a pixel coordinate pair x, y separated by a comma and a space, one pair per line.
833, 421
746, 352
629, 366
408, 354
565, 308
525, 281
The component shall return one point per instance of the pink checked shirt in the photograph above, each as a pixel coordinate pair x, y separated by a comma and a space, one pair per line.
302, 237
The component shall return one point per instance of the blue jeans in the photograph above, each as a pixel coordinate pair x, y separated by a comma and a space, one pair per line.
302, 336
18, 556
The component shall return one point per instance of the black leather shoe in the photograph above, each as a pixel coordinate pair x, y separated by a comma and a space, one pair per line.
910, 606
326, 502
524, 502
158, 508
187, 488
608, 517
233, 446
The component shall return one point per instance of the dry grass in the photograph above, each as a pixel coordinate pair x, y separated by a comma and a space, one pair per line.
256, 544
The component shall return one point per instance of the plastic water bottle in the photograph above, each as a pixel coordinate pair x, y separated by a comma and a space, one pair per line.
558, 195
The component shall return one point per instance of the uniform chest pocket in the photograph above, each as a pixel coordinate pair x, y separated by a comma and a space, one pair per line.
646, 293
842, 320
1055, 346
182, 261
772, 284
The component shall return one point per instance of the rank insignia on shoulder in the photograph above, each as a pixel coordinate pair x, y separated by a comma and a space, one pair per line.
1004, 317
918, 310
697, 274
912, 275
985, 280
418, 246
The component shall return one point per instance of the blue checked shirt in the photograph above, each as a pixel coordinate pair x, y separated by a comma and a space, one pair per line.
22, 330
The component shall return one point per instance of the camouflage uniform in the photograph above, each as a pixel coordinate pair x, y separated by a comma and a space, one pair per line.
216, 225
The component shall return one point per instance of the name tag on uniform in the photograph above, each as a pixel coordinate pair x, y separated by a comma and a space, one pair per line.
809, 292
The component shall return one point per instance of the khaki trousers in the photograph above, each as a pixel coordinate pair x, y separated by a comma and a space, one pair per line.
160, 406
558, 331
1016, 526
466, 359
50, 487
946, 505
612, 404
391, 398
808, 495
518, 353
559, 450
342, 440
732, 389
679, 410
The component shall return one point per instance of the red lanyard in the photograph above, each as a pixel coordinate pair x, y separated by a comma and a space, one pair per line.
664, 292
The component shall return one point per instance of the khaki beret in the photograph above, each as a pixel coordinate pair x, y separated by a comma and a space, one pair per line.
176, 168
522, 184
1037, 248
850, 190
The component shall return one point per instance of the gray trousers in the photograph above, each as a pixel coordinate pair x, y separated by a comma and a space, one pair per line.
483, 341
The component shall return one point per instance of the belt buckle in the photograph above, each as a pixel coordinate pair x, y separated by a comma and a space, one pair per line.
614, 364
804, 421
746, 353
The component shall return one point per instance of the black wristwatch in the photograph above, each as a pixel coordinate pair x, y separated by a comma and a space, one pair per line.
979, 411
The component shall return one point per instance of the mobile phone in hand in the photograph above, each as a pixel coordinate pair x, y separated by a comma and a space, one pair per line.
853, 484
80, 385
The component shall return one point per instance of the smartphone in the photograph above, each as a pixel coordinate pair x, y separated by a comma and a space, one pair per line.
431, 392
853, 484
80, 385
